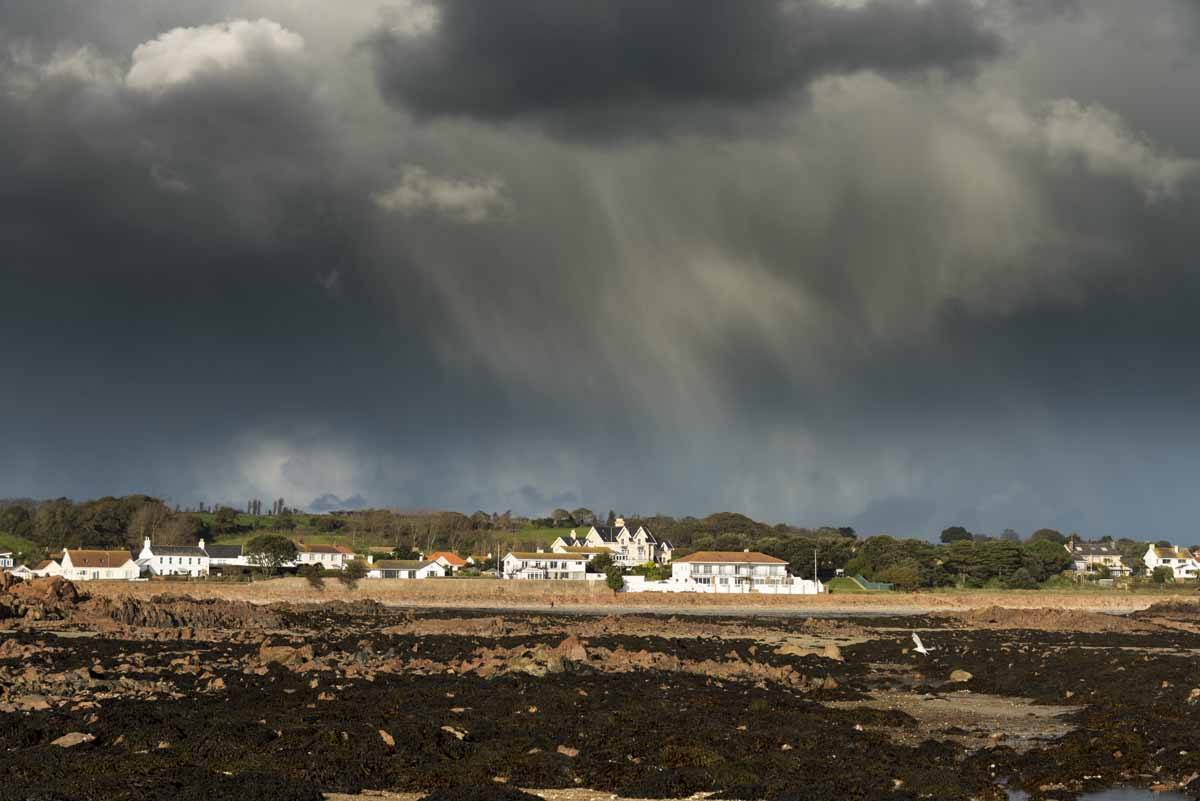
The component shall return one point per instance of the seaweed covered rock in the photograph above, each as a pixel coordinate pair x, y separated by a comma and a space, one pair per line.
171, 611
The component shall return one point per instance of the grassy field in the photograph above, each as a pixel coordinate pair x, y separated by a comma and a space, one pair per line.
845, 585
303, 521
18, 545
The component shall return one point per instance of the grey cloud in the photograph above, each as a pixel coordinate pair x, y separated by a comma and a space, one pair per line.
901, 303
630, 64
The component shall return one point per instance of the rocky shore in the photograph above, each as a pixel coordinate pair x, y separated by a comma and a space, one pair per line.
118, 697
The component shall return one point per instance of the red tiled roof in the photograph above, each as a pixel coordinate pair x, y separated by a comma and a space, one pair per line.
726, 557
84, 558
450, 557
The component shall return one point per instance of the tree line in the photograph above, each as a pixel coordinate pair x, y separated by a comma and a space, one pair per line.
959, 556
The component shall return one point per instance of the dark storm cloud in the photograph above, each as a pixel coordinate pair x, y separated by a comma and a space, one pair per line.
627, 62
231, 270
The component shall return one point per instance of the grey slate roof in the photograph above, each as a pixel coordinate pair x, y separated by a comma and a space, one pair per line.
607, 533
177, 550
1094, 549
224, 551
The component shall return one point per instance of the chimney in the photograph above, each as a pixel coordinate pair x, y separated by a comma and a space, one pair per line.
146, 542
745, 550
202, 543
540, 549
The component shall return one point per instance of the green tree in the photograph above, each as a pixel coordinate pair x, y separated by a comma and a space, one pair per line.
614, 578
600, 563
1045, 558
1047, 535
1162, 575
56, 524
17, 521
905, 574
956, 534
225, 520
1021, 579
269, 552
583, 515
284, 522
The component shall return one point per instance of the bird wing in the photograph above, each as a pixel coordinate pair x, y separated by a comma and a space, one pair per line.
917, 640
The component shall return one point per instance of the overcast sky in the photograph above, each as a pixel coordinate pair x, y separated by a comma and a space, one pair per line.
895, 264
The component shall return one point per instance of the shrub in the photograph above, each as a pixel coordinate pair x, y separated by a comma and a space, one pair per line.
1021, 579
312, 574
600, 563
1163, 574
355, 569
614, 578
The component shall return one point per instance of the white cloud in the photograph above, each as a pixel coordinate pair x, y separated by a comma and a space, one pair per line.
466, 200
84, 64
1066, 129
412, 17
180, 54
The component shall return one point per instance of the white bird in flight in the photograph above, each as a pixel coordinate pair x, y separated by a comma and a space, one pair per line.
920, 649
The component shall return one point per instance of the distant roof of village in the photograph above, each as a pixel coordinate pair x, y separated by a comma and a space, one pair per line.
449, 556
97, 558
1172, 552
300, 546
726, 557
1093, 548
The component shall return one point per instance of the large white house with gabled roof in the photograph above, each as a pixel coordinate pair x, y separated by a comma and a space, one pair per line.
629, 547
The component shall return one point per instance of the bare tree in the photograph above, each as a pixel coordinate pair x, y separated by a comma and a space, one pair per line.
147, 521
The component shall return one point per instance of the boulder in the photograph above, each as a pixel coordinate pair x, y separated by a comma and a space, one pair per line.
73, 739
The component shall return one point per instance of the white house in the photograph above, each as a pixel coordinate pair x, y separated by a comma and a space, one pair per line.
173, 560
629, 548
737, 571
88, 565
46, 567
541, 565
1181, 561
6, 559
406, 569
1092, 556
220, 555
449, 560
330, 557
